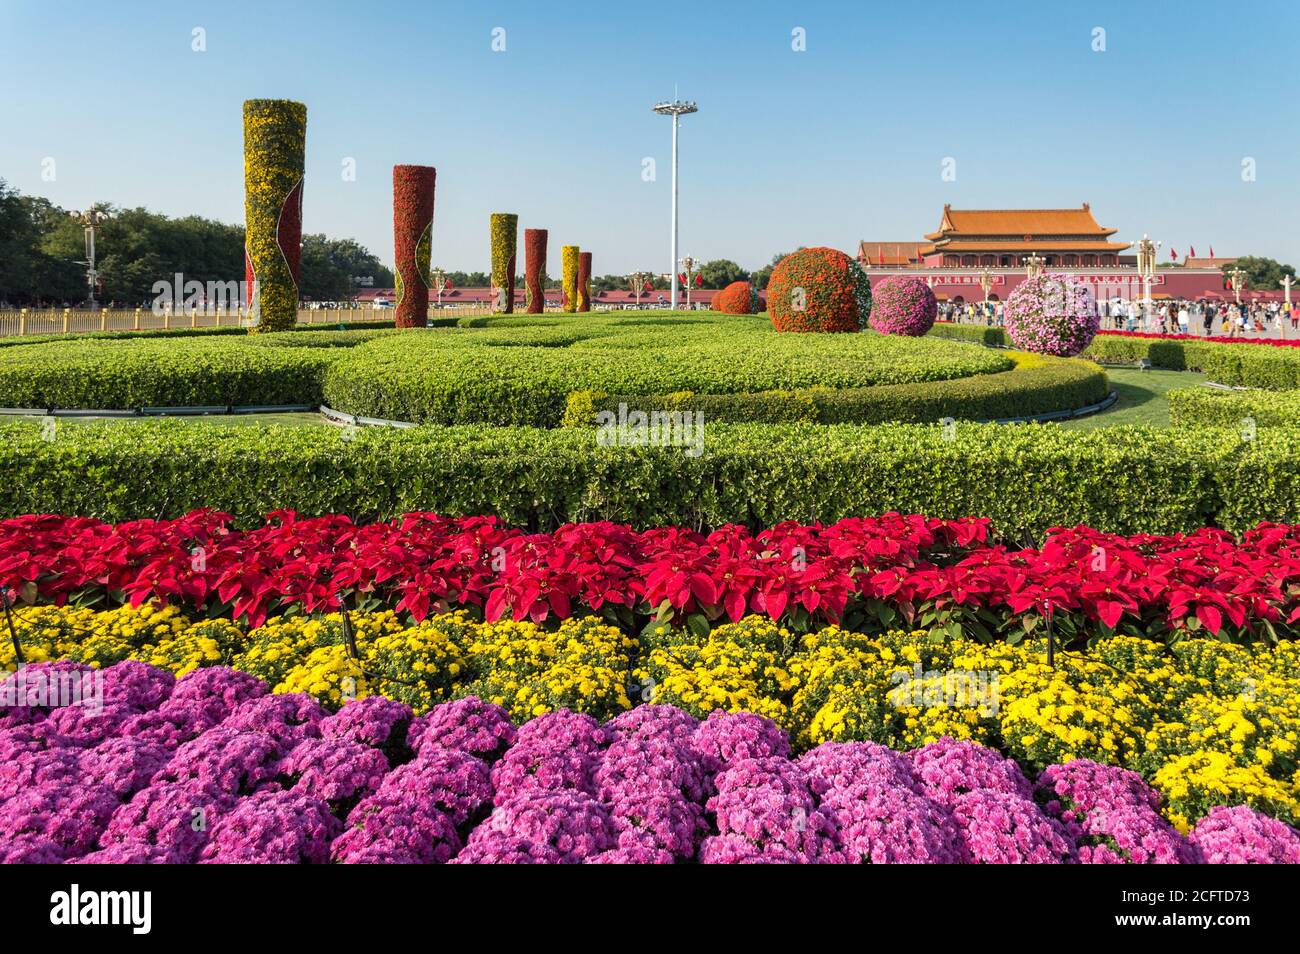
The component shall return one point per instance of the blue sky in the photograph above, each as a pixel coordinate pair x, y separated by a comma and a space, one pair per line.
839, 142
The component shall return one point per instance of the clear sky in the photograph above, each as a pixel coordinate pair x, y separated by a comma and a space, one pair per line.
841, 141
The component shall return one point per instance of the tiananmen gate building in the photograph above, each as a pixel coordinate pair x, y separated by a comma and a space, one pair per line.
972, 243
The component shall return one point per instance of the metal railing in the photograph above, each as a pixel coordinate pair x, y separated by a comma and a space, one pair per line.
16, 322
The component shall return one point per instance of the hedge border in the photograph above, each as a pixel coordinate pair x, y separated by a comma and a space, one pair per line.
1038, 385
1207, 406
1275, 369
1025, 478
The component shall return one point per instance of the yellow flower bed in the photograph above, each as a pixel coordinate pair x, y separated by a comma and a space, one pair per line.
1208, 724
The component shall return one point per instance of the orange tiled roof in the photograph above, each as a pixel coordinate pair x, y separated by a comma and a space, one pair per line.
889, 253
1190, 262
972, 245
1018, 222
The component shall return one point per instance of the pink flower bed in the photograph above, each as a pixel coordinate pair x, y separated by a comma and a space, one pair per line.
213, 769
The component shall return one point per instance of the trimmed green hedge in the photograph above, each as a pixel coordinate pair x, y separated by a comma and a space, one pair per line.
1199, 406
129, 374
1240, 365
1026, 478
1038, 385
521, 370
122, 373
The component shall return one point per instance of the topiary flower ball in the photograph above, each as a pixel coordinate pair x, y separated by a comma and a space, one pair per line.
1052, 314
818, 289
738, 298
903, 305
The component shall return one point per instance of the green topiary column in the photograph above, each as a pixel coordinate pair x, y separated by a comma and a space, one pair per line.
504, 228
569, 256
275, 136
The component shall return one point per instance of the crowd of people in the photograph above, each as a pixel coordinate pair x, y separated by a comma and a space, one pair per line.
1168, 316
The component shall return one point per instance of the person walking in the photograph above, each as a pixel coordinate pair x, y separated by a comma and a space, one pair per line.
1184, 318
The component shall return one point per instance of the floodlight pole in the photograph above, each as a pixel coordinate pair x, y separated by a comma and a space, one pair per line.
675, 109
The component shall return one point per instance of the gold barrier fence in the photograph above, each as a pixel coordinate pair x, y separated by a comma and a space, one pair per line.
68, 321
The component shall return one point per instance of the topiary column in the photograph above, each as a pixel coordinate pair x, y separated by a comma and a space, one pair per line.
534, 269
584, 281
569, 276
505, 228
275, 136
413, 190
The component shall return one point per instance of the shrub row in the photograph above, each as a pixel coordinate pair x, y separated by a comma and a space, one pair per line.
1197, 406
521, 371
1025, 478
117, 373
1037, 385
1241, 365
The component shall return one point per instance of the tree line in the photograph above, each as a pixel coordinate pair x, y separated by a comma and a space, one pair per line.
42, 258
42, 255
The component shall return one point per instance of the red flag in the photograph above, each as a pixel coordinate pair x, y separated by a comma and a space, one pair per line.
648, 287
1211, 253
1173, 255
699, 281
447, 286
1192, 253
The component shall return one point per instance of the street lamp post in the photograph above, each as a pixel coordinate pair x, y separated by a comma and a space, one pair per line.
90, 220
1146, 262
1034, 266
439, 283
1287, 282
638, 281
1237, 275
688, 266
675, 109
986, 283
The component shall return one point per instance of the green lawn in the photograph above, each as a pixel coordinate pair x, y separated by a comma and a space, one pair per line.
1141, 398
1141, 401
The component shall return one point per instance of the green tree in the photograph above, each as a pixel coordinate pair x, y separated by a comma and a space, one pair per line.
721, 272
330, 268
1262, 274
759, 277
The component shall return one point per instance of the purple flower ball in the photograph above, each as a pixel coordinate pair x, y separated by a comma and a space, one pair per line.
1240, 835
948, 769
466, 725
496, 848
903, 305
374, 721
727, 737
574, 824
273, 827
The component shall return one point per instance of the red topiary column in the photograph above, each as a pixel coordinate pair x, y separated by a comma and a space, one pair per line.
534, 268
584, 281
412, 242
